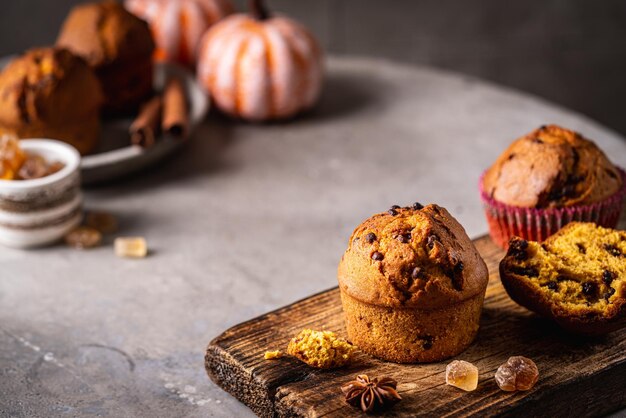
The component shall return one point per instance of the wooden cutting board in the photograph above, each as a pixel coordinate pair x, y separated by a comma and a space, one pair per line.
578, 376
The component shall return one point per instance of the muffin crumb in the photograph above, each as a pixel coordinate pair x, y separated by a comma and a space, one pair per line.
321, 349
271, 355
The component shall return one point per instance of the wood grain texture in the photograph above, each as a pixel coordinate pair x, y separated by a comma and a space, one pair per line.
578, 376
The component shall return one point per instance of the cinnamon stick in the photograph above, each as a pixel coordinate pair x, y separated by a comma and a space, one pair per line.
144, 129
175, 110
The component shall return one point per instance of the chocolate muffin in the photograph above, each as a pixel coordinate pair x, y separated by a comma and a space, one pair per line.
412, 285
51, 93
552, 167
118, 46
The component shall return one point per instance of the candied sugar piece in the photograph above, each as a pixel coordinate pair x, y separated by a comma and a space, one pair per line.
462, 374
15, 164
271, 355
321, 349
34, 167
518, 373
83, 237
133, 247
55, 167
102, 221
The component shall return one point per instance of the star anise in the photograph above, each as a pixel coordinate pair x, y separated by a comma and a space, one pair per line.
370, 394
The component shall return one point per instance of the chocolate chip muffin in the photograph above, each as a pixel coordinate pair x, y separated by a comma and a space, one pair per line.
548, 178
118, 46
577, 277
552, 167
51, 93
412, 285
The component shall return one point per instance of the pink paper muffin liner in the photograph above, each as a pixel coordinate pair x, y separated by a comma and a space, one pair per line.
506, 221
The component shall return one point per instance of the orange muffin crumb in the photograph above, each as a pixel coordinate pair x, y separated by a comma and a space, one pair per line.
271, 355
321, 349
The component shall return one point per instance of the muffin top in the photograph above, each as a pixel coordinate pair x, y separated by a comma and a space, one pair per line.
412, 257
47, 85
551, 167
105, 33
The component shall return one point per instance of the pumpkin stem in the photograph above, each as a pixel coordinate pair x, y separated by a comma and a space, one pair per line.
258, 10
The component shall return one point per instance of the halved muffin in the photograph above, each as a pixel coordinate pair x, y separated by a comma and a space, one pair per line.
577, 277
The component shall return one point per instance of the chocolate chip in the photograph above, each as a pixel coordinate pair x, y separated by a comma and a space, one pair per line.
552, 285
537, 140
418, 206
611, 173
612, 249
416, 273
392, 212
581, 248
371, 237
511, 156
456, 275
607, 277
525, 271
573, 178
569, 190
589, 288
428, 342
542, 127
517, 249
404, 238
430, 242
609, 293
377, 256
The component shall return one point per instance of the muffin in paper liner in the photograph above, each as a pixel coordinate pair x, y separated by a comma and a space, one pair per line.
506, 221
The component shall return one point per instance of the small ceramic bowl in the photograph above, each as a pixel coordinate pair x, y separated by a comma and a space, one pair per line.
41, 211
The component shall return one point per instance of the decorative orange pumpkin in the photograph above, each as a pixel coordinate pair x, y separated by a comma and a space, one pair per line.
260, 67
178, 25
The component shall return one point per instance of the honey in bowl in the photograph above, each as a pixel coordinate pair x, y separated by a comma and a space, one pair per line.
16, 164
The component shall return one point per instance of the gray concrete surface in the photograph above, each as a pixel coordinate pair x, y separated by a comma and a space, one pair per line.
245, 219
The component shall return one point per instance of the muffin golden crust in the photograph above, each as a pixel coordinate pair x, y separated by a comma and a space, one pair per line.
552, 167
51, 93
117, 45
412, 285
577, 277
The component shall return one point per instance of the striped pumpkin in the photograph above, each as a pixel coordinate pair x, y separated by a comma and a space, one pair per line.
260, 68
178, 25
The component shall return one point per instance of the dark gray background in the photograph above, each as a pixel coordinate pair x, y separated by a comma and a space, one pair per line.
572, 52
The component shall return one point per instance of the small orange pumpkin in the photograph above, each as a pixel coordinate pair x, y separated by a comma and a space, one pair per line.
178, 25
260, 67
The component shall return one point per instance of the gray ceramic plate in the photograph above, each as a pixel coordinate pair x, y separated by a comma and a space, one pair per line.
115, 157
